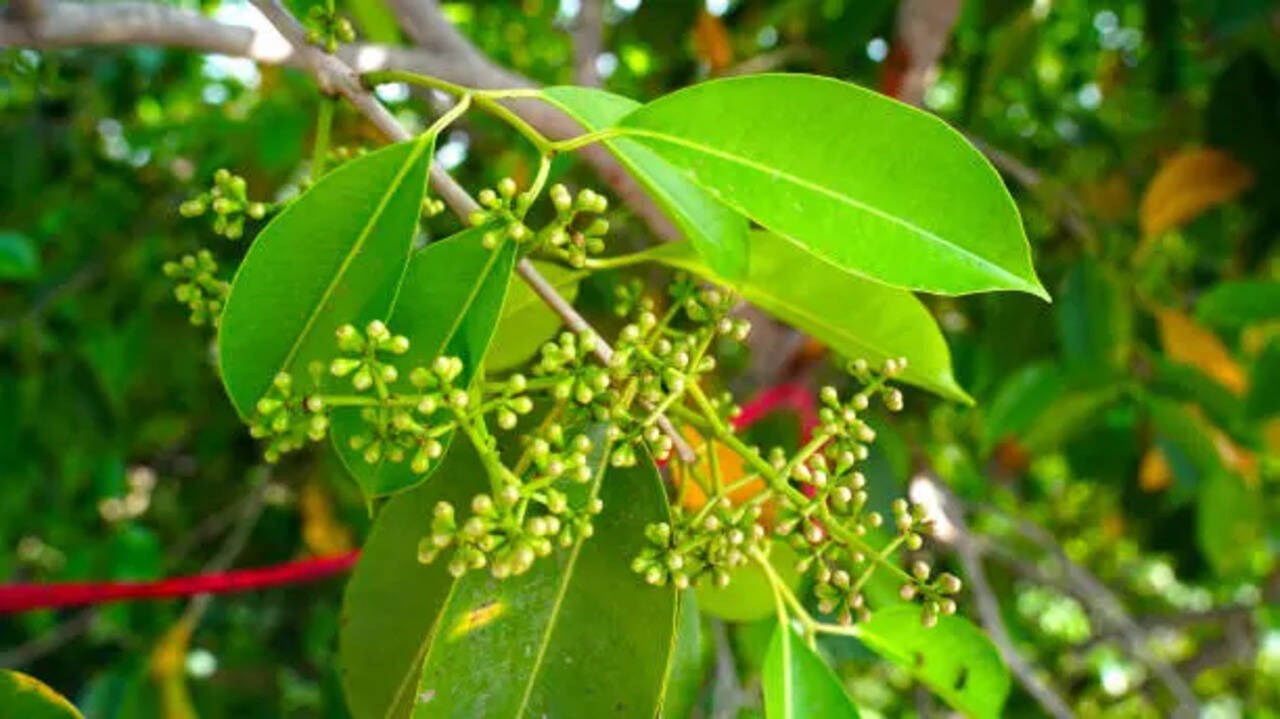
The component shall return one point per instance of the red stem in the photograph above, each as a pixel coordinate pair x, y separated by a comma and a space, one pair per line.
27, 597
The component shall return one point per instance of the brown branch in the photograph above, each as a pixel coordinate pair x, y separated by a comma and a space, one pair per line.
588, 41
447, 54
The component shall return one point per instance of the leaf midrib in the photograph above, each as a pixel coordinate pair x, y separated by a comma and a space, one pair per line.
567, 575
996, 270
383, 201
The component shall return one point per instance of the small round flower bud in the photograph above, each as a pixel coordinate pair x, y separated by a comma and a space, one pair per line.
949, 583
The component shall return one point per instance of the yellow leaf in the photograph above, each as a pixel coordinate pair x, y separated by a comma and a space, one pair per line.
168, 663
1154, 473
711, 41
1186, 185
1186, 342
321, 532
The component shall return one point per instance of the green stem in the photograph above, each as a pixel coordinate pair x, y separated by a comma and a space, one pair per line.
324, 122
589, 138
485, 100
782, 594
448, 117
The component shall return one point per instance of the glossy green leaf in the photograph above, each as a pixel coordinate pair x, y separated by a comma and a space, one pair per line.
1231, 526
448, 304
718, 233
577, 635
866, 183
799, 684
25, 697
19, 259
333, 256
690, 662
855, 317
526, 321
954, 659
749, 595
1234, 304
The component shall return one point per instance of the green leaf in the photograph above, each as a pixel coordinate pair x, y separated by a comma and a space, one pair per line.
25, 697
749, 595
1235, 304
1095, 322
1188, 437
1190, 384
448, 304
855, 317
954, 659
866, 183
690, 661
1066, 417
798, 683
577, 635
1231, 525
717, 232
1264, 395
526, 321
376, 21
19, 259
1022, 398
333, 256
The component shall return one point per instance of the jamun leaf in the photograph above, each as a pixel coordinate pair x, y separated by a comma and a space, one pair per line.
798, 683
578, 635
864, 182
335, 255
954, 658
856, 318
448, 304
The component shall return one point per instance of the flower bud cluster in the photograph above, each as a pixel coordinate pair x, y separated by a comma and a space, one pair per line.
702, 546
287, 419
936, 595
230, 203
402, 423
325, 28
504, 207
574, 235
198, 287
495, 537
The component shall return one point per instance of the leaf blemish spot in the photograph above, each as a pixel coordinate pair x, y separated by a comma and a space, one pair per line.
478, 617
